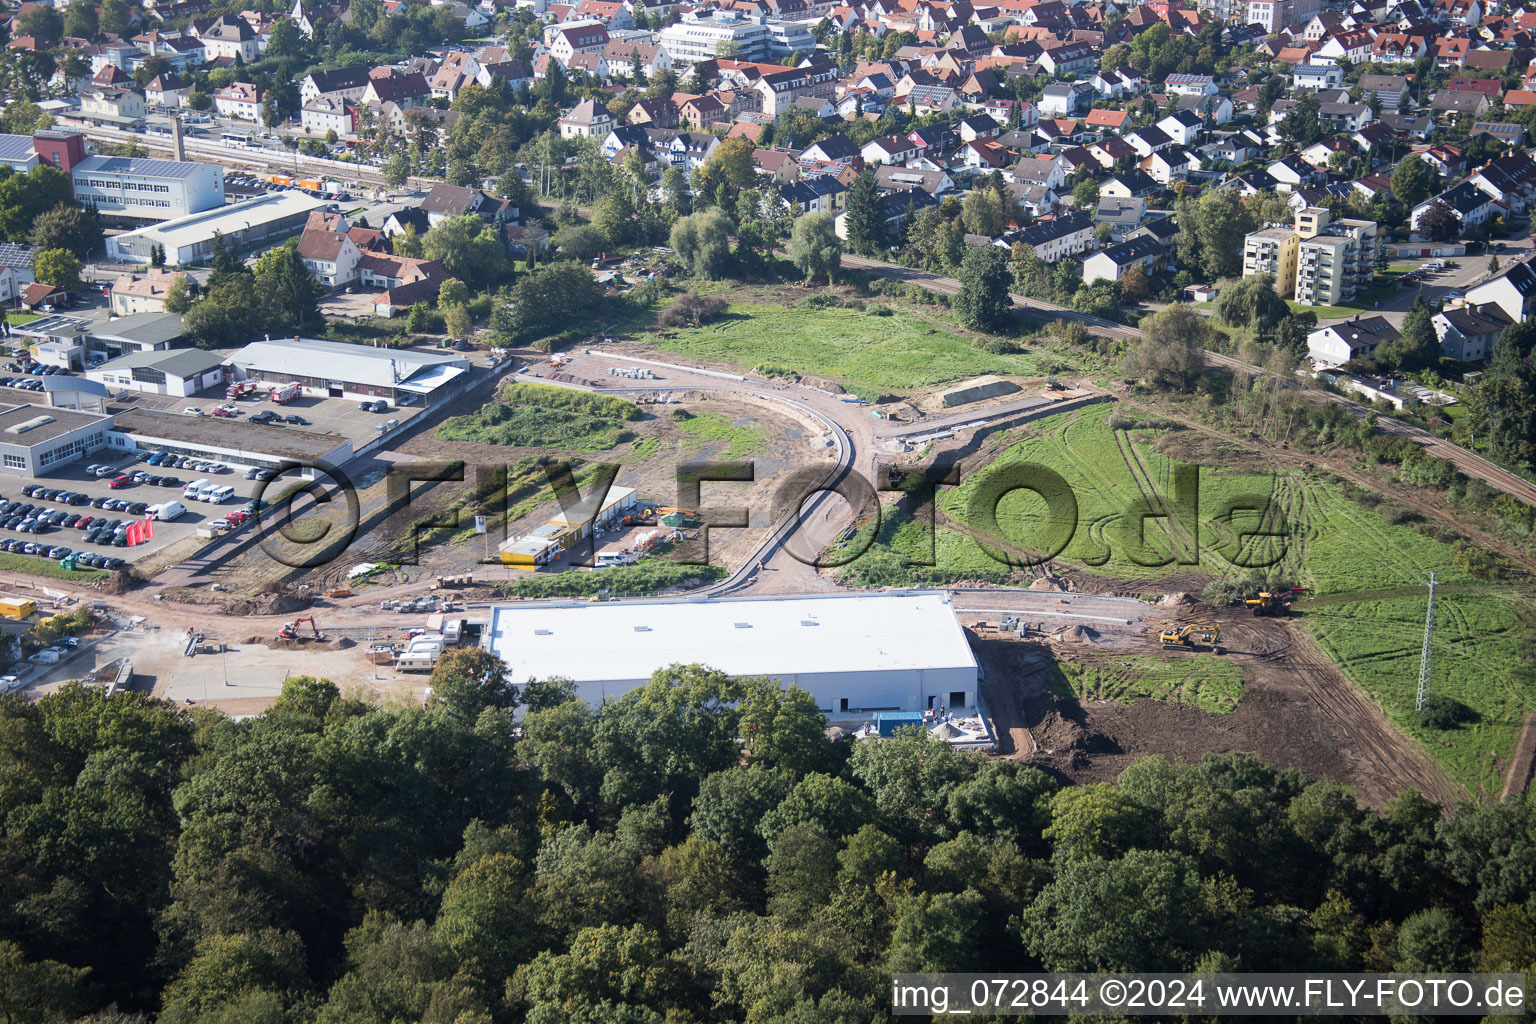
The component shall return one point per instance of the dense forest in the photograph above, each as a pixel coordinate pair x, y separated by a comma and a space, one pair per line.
695, 851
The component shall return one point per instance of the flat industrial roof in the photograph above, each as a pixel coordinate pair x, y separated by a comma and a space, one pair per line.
780, 637
31, 425
185, 363
142, 328
338, 360
139, 167
230, 220
230, 434
16, 148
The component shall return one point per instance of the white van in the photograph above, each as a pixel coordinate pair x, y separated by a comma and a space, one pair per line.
167, 510
608, 559
218, 494
194, 491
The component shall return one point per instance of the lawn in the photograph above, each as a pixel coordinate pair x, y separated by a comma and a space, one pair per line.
1482, 656
711, 428
870, 354
31, 565
17, 319
1321, 538
1205, 681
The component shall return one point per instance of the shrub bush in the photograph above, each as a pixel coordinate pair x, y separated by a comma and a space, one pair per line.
692, 310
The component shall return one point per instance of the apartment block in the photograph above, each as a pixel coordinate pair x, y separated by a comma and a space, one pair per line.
1319, 261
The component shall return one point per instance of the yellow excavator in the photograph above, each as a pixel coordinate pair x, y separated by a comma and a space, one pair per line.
1191, 636
1272, 604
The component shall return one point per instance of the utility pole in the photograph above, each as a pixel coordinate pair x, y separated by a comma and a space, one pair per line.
1429, 635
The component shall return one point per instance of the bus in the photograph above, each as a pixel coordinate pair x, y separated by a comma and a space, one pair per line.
237, 140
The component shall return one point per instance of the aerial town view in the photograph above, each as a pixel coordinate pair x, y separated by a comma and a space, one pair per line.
754, 511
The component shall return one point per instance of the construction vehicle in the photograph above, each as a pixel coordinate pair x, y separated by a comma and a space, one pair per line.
1052, 384
339, 592
1277, 603
290, 630
1192, 635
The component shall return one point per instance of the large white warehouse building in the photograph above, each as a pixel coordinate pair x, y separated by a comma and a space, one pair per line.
856, 654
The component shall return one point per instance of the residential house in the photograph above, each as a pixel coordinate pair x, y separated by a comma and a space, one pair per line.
328, 114
894, 178
239, 100
1122, 215
1046, 171
893, 149
1107, 120
1341, 343
1125, 184
1169, 164
227, 36
1468, 332
1512, 289
116, 107
587, 120
1191, 85
1182, 127
1316, 77
143, 293
1468, 203
1056, 237
567, 40
1110, 264
1510, 179
445, 202
1217, 109
1065, 99
1148, 140
169, 91
342, 83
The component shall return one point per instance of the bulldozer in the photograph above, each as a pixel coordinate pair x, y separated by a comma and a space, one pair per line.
1278, 603
1191, 636
290, 630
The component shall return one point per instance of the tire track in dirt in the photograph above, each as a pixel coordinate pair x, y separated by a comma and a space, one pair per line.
1365, 735
1518, 779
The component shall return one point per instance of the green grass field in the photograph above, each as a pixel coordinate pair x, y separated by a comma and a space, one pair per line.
1319, 537
536, 415
1480, 658
869, 353
1204, 681
711, 428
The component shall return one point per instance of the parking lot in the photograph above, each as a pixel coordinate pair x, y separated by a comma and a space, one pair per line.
340, 416
73, 478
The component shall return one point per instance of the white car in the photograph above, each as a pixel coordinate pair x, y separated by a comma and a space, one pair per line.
193, 410
9, 683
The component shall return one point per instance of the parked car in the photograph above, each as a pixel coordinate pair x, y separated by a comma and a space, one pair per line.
118, 482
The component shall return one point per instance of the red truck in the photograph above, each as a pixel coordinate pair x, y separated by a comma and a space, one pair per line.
285, 394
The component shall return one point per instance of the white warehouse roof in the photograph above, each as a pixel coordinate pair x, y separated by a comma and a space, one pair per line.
353, 364
815, 642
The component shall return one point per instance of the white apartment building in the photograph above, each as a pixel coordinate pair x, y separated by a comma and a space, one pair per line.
692, 41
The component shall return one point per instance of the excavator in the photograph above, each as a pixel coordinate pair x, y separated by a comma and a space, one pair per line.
1267, 603
1192, 635
290, 630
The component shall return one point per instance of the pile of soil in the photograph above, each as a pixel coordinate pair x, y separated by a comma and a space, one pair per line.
1049, 583
119, 582
238, 604
1175, 599
339, 644
1078, 635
